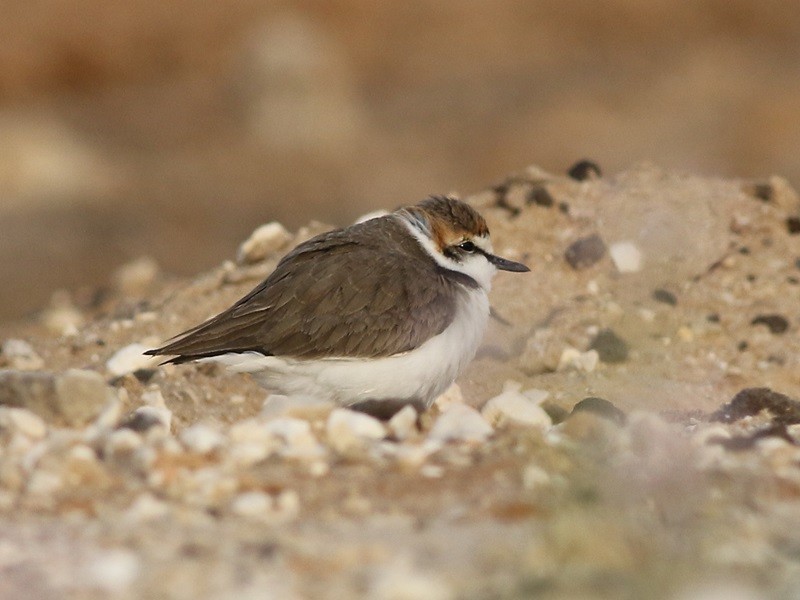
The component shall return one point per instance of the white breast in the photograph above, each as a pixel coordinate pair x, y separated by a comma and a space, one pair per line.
422, 373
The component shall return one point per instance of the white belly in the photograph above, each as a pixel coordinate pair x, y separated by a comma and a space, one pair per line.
420, 374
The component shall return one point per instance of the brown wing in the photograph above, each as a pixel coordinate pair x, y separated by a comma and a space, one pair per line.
320, 302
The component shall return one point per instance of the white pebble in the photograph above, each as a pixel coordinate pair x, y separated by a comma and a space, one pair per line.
114, 570
129, 359
534, 477
265, 240
44, 483
347, 428
146, 507
462, 423
577, 360
451, 395
626, 256
514, 407
252, 504
22, 421
403, 423
536, 395
21, 355
202, 438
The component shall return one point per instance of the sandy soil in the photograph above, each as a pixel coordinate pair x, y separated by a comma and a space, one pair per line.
690, 299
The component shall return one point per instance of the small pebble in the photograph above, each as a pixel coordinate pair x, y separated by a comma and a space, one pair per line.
460, 423
793, 225
146, 507
129, 359
585, 252
577, 360
540, 196
145, 418
252, 504
19, 354
113, 570
451, 395
23, 421
347, 429
514, 407
584, 169
403, 424
600, 407
609, 346
665, 296
137, 277
265, 240
776, 324
626, 257
202, 438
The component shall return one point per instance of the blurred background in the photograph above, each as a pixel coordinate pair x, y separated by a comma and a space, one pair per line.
172, 128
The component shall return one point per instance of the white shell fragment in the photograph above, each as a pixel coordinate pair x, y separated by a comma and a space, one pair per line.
460, 423
626, 257
515, 407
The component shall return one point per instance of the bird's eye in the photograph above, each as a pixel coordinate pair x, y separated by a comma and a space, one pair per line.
467, 246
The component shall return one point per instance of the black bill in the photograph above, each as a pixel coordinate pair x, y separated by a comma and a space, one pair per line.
506, 265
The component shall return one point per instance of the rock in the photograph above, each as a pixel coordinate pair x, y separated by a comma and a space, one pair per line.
62, 317
347, 429
113, 571
252, 504
665, 297
577, 360
540, 196
75, 396
609, 346
403, 424
20, 355
601, 407
451, 395
145, 418
146, 507
460, 423
129, 359
22, 421
585, 252
793, 225
751, 401
776, 324
514, 407
263, 242
584, 170
202, 438
626, 257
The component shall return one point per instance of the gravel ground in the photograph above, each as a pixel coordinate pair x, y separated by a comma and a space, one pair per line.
628, 430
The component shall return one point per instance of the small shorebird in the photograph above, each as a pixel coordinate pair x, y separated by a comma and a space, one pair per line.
380, 314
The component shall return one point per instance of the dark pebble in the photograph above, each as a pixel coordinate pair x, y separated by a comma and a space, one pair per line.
713, 318
744, 250
584, 169
776, 323
602, 408
751, 401
793, 225
742, 346
585, 252
139, 421
563, 207
540, 196
610, 347
665, 296
145, 375
745, 442
557, 413
762, 191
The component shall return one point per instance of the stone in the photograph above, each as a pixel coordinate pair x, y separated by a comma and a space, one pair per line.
600, 407
22, 421
776, 324
585, 252
626, 257
113, 571
137, 277
450, 396
76, 396
584, 170
577, 360
460, 423
403, 425
264, 241
20, 355
348, 429
129, 359
252, 504
202, 438
513, 407
609, 346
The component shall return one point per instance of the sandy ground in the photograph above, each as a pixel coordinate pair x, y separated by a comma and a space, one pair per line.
656, 491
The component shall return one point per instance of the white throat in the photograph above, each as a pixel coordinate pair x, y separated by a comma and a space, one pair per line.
475, 266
